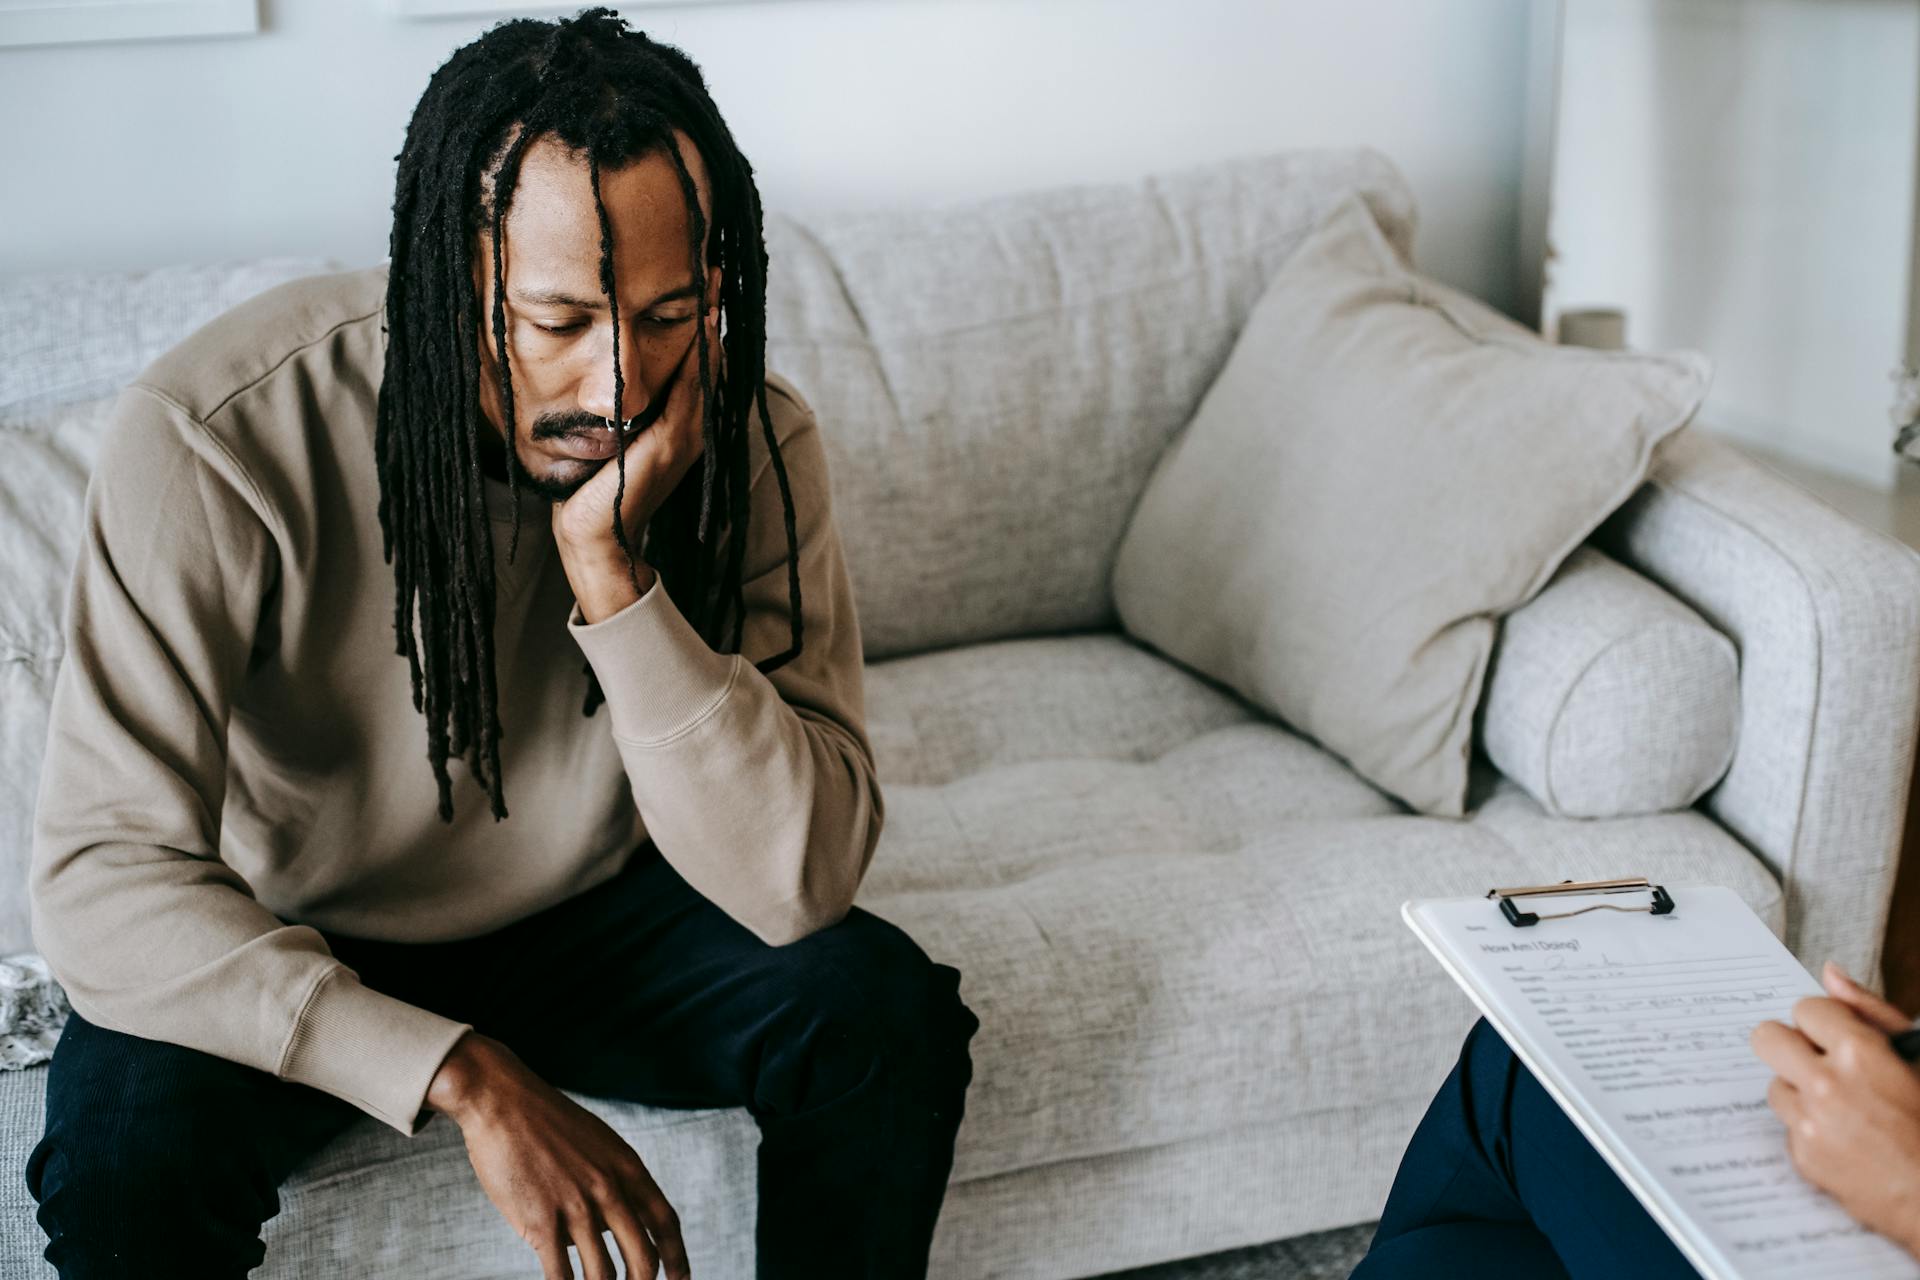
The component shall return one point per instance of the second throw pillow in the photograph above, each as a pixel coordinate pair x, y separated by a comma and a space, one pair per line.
1383, 468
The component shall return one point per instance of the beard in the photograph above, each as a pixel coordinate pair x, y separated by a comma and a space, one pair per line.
550, 489
496, 460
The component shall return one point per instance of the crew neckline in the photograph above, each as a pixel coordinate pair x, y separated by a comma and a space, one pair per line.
533, 507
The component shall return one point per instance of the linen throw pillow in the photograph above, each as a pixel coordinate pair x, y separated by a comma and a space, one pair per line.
1384, 467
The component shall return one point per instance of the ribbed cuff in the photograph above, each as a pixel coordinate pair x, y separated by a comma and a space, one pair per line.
659, 676
375, 1051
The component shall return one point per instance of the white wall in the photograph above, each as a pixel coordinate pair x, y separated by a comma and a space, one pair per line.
135, 154
1739, 175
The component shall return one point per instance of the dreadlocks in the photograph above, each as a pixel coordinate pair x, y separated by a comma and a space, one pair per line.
615, 95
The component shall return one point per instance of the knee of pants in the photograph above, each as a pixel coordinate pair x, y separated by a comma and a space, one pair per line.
866, 997
147, 1141
154, 1188
1486, 1059
1484, 1082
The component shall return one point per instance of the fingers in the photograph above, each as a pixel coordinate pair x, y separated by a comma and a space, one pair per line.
658, 458
594, 1262
1830, 1023
1872, 1008
673, 1250
684, 417
655, 456
1792, 1056
641, 1259
1786, 1102
663, 1223
648, 468
551, 1248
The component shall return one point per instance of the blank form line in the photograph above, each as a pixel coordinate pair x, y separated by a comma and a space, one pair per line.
1654, 984
1636, 1018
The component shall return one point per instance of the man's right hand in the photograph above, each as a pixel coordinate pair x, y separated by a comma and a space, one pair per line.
557, 1172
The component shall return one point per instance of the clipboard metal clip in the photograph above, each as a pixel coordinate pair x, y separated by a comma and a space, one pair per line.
1661, 904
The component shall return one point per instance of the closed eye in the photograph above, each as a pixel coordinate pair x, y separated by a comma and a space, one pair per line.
657, 322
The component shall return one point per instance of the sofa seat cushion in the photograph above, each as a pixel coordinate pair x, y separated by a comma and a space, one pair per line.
1001, 760
1173, 917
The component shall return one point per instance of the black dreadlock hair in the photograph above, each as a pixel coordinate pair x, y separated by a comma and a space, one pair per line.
616, 95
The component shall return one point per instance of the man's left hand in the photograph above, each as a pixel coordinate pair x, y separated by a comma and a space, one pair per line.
656, 461
1850, 1103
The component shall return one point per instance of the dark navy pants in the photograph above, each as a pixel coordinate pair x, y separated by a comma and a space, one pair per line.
849, 1048
1498, 1182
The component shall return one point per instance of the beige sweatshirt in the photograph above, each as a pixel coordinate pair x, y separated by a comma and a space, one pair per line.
234, 755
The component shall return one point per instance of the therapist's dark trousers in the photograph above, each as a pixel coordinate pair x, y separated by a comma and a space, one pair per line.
849, 1047
1498, 1182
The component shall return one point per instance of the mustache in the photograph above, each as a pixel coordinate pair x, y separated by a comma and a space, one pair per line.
570, 424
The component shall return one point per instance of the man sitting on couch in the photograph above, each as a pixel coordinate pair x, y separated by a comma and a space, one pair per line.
271, 920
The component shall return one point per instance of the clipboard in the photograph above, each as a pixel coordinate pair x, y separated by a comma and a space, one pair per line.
1631, 1005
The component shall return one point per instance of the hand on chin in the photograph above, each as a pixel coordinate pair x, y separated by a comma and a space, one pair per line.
655, 459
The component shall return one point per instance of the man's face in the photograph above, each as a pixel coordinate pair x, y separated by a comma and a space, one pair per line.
559, 332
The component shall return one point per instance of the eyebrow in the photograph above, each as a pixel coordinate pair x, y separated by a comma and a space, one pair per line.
561, 298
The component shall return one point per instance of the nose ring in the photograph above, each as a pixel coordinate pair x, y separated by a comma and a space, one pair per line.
623, 426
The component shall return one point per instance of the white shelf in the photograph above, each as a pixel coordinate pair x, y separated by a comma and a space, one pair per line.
25, 22
471, 8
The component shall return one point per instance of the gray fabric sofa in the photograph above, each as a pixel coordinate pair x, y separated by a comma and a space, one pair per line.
1203, 1024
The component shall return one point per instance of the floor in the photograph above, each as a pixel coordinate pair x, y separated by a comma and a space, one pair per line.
1330, 1255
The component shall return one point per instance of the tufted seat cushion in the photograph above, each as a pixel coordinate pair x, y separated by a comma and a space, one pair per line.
1172, 915
1174, 918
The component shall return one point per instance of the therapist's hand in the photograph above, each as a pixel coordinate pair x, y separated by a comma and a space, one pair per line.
1850, 1104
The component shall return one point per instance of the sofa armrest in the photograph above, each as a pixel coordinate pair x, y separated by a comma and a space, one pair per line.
1826, 614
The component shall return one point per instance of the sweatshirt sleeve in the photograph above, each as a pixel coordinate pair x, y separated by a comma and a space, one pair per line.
144, 925
758, 787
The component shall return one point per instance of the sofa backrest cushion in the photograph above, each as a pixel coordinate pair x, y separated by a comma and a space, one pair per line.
77, 335
996, 379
